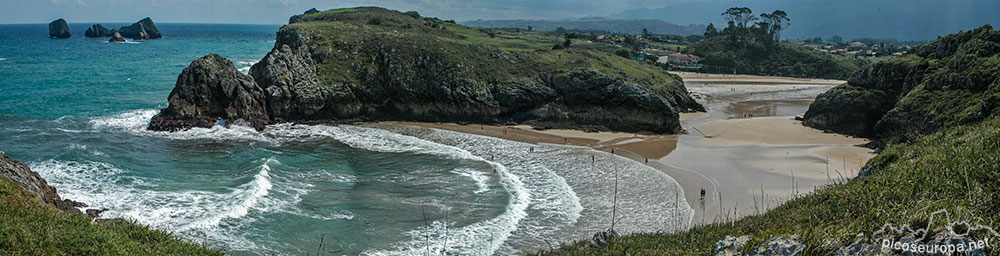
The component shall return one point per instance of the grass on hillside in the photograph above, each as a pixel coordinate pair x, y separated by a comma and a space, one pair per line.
956, 170
484, 56
28, 227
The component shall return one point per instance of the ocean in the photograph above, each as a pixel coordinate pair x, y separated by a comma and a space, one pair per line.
75, 110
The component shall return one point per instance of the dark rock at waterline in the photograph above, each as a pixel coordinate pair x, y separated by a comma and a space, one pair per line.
209, 90
95, 213
30, 181
97, 30
141, 30
116, 37
59, 29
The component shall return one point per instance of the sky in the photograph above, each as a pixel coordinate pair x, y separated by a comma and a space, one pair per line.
278, 11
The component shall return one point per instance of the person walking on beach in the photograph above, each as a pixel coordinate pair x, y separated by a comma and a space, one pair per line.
702, 193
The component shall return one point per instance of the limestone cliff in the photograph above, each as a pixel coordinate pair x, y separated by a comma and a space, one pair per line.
949, 81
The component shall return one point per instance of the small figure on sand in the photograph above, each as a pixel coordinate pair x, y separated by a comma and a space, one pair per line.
647, 160
531, 149
565, 140
593, 160
494, 170
703, 194
612, 151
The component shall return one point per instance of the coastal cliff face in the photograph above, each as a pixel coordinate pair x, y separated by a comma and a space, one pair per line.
30, 181
373, 64
949, 81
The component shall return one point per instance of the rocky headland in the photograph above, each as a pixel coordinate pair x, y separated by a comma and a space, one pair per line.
950, 81
59, 29
373, 64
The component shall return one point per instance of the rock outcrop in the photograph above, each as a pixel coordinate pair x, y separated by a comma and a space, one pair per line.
211, 90
116, 37
142, 30
97, 30
30, 181
949, 81
355, 69
59, 29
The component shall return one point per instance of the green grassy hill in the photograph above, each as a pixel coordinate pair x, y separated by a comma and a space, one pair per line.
29, 227
721, 55
947, 82
374, 64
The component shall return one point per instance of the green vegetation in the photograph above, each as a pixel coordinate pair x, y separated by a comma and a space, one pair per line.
486, 56
950, 81
956, 170
752, 45
29, 227
943, 99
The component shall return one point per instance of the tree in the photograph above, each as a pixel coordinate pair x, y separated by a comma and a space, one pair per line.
567, 43
560, 30
529, 28
776, 22
710, 31
739, 16
837, 40
645, 33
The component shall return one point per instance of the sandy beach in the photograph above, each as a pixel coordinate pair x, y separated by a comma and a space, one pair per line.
746, 151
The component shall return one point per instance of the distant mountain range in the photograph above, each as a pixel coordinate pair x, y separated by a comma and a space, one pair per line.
632, 26
898, 19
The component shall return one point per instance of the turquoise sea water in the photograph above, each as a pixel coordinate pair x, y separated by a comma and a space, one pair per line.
75, 110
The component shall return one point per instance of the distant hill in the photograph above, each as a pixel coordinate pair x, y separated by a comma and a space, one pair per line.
899, 19
612, 25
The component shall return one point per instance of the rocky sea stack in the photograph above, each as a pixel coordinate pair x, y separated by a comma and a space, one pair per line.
142, 30
98, 30
116, 37
59, 29
950, 81
208, 91
373, 64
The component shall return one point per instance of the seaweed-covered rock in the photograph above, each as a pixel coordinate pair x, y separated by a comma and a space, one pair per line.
59, 29
211, 90
97, 30
142, 30
30, 181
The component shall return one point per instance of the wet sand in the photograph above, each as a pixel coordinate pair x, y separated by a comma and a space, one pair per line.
746, 165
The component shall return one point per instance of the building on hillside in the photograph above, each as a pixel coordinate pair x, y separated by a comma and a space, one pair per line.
857, 44
680, 59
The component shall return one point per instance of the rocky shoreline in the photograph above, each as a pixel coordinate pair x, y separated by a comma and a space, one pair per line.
385, 79
30, 181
